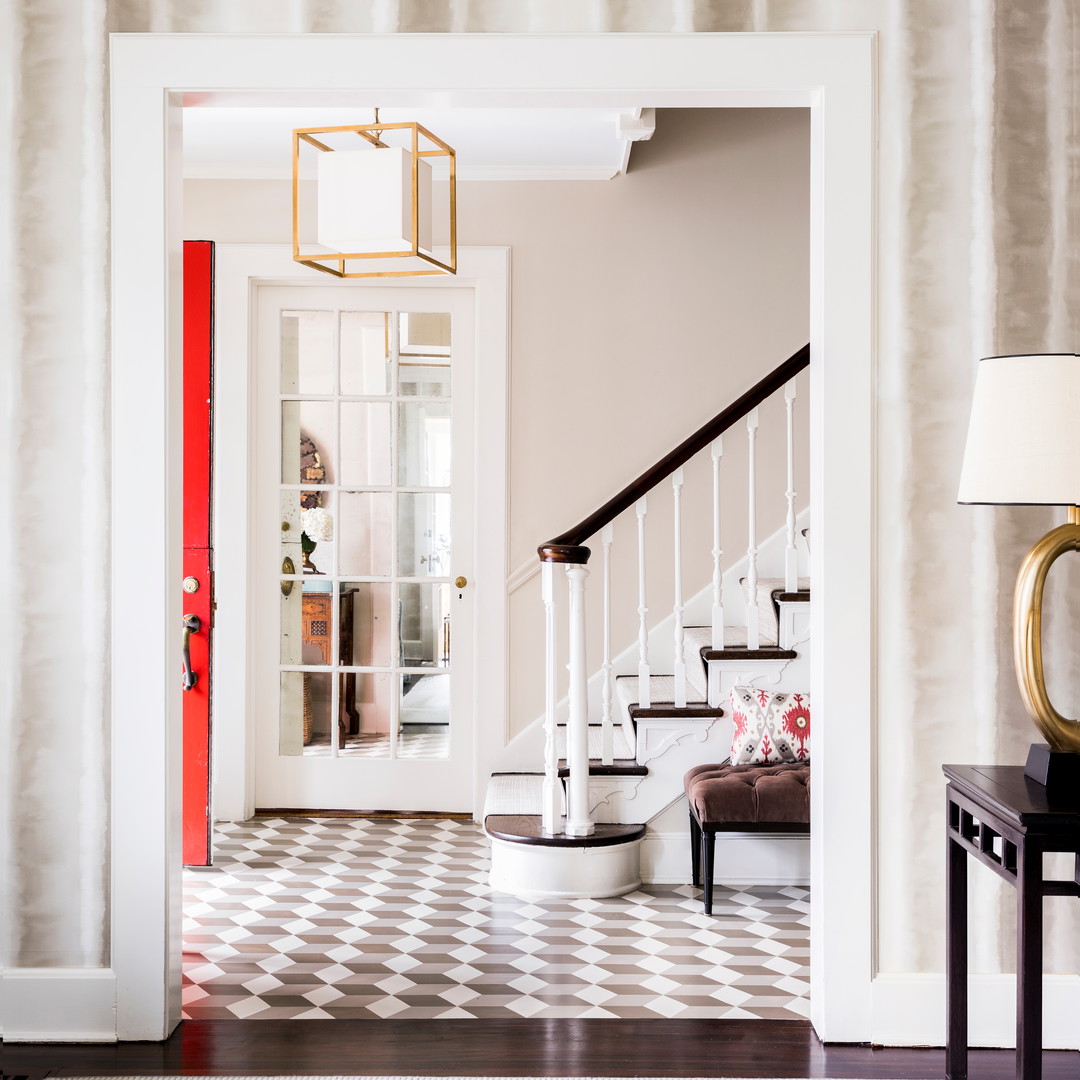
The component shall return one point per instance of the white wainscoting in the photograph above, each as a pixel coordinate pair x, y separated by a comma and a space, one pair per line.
742, 859
909, 1010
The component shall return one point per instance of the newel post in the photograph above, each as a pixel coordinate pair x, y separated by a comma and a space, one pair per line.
552, 794
578, 821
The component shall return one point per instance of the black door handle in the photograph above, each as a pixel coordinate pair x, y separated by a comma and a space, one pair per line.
192, 625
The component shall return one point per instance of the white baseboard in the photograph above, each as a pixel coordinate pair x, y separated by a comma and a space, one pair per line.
58, 1005
741, 859
909, 1010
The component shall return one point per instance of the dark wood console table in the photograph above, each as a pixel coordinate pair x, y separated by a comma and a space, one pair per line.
1003, 819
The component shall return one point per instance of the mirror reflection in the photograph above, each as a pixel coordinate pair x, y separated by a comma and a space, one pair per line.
365, 534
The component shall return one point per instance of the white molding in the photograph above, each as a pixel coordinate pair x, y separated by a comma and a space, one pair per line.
909, 1010
58, 1005
477, 174
831, 73
522, 575
239, 269
742, 859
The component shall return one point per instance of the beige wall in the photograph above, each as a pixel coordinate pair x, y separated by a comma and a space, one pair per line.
641, 306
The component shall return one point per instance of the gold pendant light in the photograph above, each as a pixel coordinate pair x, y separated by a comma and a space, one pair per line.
376, 200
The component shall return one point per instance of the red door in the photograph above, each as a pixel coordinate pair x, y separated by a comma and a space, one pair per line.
198, 554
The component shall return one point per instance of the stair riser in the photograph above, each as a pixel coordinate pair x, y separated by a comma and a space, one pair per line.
553, 873
794, 624
724, 674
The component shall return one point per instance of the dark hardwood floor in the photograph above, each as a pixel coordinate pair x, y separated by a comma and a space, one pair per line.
601, 1047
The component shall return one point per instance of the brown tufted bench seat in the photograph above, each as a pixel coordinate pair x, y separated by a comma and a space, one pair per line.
742, 798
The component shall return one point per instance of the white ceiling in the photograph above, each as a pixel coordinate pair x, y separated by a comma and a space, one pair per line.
225, 142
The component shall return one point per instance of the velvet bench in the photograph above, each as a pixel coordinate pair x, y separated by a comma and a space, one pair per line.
742, 798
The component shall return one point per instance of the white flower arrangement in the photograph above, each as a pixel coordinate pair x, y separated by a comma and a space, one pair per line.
318, 523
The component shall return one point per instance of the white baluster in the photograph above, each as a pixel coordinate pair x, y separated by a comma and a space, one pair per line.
791, 556
717, 551
608, 729
677, 611
644, 697
578, 821
552, 792
753, 633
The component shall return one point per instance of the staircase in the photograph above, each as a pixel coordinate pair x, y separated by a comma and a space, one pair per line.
601, 812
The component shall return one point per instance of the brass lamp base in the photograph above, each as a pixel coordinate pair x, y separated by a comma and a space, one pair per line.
1059, 761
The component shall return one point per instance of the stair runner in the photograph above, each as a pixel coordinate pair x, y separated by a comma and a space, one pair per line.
514, 800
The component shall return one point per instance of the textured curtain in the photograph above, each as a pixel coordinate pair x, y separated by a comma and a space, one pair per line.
979, 241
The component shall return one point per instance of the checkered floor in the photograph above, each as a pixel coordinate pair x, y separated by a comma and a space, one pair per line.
328, 918
419, 741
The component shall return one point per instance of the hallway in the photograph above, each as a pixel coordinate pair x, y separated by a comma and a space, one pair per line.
378, 918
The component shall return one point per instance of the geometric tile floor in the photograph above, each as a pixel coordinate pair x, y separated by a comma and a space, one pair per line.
371, 918
417, 741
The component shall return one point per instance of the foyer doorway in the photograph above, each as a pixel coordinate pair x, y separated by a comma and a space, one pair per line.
818, 70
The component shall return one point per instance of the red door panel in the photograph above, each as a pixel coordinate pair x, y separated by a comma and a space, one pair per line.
198, 554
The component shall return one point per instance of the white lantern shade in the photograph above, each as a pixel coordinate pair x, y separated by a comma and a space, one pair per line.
365, 200
1023, 444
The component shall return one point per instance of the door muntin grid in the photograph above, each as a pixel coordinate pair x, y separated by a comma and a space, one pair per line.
365, 615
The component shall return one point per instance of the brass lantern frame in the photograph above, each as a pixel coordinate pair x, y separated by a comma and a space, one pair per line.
339, 261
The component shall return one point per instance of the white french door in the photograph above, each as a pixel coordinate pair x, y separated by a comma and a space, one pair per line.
364, 548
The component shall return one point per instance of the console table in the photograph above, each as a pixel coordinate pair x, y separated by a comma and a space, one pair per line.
1000, 817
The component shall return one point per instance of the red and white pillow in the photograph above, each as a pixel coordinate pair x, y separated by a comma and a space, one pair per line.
770, 727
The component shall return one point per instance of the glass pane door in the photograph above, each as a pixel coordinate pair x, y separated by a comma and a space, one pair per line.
366, 481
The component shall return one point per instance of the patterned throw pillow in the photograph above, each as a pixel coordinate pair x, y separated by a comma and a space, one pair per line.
769, 727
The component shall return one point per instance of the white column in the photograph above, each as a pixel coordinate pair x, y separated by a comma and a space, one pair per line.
677, 610
717, 451
644, 698
552, 794
578, 822
753, 633
608, 729
791, 556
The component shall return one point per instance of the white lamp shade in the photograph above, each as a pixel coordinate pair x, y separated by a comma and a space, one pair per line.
1023, 444
365, 201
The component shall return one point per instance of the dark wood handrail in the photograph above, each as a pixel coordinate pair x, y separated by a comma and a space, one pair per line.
569, 546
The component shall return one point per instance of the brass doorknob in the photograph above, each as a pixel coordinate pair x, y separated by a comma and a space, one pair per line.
460, 582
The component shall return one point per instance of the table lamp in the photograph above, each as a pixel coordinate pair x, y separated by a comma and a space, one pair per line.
1023, 449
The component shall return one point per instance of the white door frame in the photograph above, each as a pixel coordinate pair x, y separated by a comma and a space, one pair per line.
830, 73
238, 271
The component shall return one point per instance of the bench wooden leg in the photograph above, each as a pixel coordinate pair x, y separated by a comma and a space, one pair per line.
695, 850
708, 850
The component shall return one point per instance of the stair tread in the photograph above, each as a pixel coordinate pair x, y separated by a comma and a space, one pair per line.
766, 652
693, 710
800, 597
526, 829
618, 767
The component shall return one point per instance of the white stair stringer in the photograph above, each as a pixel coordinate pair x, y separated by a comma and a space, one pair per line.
685, 744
